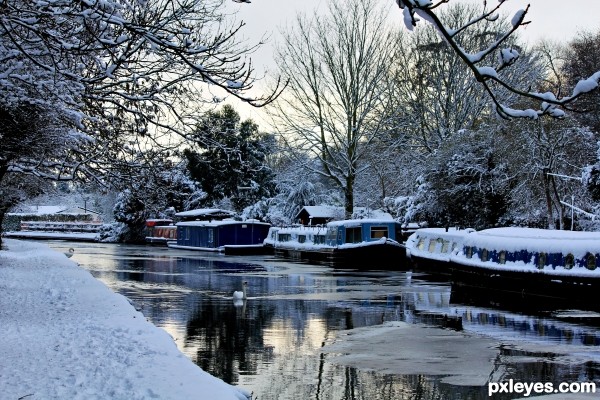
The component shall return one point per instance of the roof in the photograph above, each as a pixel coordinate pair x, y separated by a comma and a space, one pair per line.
206, 213
338, 212
323, 211
222, 223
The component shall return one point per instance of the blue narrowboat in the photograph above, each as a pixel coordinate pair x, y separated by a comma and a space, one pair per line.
217, 235
361, 243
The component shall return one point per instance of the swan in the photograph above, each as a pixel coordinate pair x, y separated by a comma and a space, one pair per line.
237, 295
69, 254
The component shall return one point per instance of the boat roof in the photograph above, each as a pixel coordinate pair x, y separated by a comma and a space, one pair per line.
206, 213
443, 232
221, 222
536, 240
535, 233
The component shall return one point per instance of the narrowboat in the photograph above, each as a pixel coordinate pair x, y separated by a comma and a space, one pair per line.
218, 235
429, 249
160, 231
526, 261
362, 243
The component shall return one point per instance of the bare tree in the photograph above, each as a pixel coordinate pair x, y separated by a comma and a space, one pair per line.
433, 90
335, 102
85, 84
488, 75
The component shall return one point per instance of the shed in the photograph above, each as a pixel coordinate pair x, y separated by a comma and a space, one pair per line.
319, 215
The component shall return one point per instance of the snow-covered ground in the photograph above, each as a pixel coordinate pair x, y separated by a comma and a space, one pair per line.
65, 335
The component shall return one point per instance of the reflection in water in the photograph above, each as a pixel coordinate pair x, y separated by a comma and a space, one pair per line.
271, 343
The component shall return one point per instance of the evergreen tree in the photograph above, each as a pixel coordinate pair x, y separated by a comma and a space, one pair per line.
229, 159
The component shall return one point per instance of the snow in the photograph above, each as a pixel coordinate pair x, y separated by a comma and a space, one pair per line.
203, 212
41, 210
65, 335
508, 56
221, 222
79, 236
488, 71
586, 85
518, 18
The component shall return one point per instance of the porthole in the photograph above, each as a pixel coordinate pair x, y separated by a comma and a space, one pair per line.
502, 257
541, 260
590, 261
569, 261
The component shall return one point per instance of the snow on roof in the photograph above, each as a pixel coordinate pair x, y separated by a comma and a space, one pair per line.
204, 212
536, 240
323, 211
41, 210
338, 212
221, 223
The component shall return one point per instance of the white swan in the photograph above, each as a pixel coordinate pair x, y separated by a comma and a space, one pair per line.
237, 295
69, 254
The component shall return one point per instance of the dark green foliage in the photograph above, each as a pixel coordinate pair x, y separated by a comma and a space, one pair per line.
229, 159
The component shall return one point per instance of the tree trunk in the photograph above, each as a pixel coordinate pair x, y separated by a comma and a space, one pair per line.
349, 197
550, 215
2, 214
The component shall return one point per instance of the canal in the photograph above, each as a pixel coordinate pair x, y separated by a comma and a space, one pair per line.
289, 340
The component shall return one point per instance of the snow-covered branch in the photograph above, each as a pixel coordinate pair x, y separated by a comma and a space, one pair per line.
488, 76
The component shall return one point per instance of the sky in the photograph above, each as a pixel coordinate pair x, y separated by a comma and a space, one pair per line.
556, 20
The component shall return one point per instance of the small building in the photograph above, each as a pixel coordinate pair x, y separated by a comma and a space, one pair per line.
321, 215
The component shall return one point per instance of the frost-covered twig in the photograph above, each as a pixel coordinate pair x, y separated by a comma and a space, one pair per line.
414, 10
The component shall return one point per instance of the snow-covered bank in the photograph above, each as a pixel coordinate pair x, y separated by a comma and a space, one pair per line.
65, 335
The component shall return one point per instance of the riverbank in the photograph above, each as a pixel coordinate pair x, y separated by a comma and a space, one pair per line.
65, 335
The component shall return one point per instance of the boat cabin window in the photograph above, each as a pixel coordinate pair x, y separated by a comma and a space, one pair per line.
502, 257
432, 244
301, 238
354, 235
284, 237
421, 244
469, 251
569, 261
445, 246
590, 261
378, 232
319, 239
484, 255
541, 261
332, 234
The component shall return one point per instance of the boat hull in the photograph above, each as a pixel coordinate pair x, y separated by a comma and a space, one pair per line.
368, 257
528, 283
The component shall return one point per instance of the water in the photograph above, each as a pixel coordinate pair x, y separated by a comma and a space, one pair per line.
273, 343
